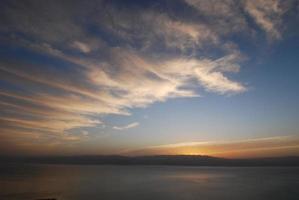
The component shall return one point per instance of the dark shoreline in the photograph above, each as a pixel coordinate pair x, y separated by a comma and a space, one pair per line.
176, 160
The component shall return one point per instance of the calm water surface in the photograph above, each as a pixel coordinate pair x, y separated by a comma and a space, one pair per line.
75, 182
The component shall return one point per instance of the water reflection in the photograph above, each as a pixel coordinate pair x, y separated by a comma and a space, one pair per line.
70, 182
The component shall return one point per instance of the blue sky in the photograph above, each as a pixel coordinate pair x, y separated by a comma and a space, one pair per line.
150, 77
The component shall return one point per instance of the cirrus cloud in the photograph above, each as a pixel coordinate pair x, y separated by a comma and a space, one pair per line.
131, 125
106, 59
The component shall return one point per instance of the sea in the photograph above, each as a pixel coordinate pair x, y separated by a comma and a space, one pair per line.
137, 182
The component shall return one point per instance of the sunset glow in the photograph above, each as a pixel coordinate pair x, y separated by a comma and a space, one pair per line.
184, 77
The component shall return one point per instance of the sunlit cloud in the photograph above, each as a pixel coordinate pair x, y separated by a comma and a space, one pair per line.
230, 17
138, 83
114, 60
131, 125
81, 46
223, 17
259, 147
267, 14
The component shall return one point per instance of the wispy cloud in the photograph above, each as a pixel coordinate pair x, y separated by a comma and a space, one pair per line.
267, 14
138, 83
229, 15
104, 59
81, 46
258, 147
132, 125
223, 17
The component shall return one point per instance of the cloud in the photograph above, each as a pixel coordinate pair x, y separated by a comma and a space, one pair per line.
223, 17
85, 133
229, 16
179, 34
259, 147
106, 80
54, 18
81, 46
267, 14
89, 60
132, 125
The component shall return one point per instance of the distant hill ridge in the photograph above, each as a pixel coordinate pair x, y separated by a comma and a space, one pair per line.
188, 160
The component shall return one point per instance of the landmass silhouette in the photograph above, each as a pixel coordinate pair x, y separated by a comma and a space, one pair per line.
188, 160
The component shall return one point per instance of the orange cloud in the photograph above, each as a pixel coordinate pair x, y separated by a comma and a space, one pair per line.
260, 147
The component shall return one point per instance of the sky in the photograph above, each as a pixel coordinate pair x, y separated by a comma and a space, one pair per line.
191, 77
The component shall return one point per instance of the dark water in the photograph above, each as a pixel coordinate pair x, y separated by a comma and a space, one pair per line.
71, 182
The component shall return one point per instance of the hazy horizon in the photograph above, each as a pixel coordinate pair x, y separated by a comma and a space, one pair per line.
235, 153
